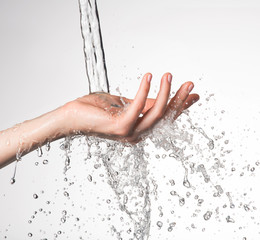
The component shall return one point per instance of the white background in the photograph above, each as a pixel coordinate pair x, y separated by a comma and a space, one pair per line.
215, 44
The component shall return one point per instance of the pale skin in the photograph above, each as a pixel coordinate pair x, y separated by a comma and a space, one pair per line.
98, 114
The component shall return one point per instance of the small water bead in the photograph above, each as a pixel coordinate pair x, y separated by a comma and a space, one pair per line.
172, 182
200, 201
66, 194
211, 144
67, 161
64, 212
125, 200
12, 181
257, 163
96, 166
89, 178
159, 224
226, 141
186, 183
181, 201
188, 194
30, 235
30, 221
36, 163
173, 193
108, 201
246, 208
63, 219
48, 146
233, 169
45, 161
39, 152
230, 220
252, 169
207, 215
35, 196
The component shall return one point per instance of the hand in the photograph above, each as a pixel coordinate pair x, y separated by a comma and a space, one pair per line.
119, 118
99, 114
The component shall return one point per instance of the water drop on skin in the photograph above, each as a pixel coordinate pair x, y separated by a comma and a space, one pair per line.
48, 146
39, 152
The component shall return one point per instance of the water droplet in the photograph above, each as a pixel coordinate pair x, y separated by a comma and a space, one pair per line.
172, 182
108, 201
66, 194
35, 196
39, 151
30, 235
188, 194
173, 193
230, 220
211, 144
12, 181
246, 208
159, 224
181, 201
45, 162
90, 178
207, 215
48, 146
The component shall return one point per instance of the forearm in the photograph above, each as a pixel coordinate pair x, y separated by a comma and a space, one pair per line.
27, 136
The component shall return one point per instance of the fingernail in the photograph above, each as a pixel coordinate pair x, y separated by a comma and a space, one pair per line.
190, 87
169, 78
149, 78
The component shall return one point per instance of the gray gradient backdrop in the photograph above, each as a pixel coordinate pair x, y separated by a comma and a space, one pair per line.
214, 43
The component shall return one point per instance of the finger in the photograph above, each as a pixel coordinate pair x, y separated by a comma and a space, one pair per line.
137, 106
180, 97
148, 104
191, 99
157, 111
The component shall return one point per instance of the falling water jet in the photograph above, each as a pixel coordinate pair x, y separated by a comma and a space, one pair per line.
93, 47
